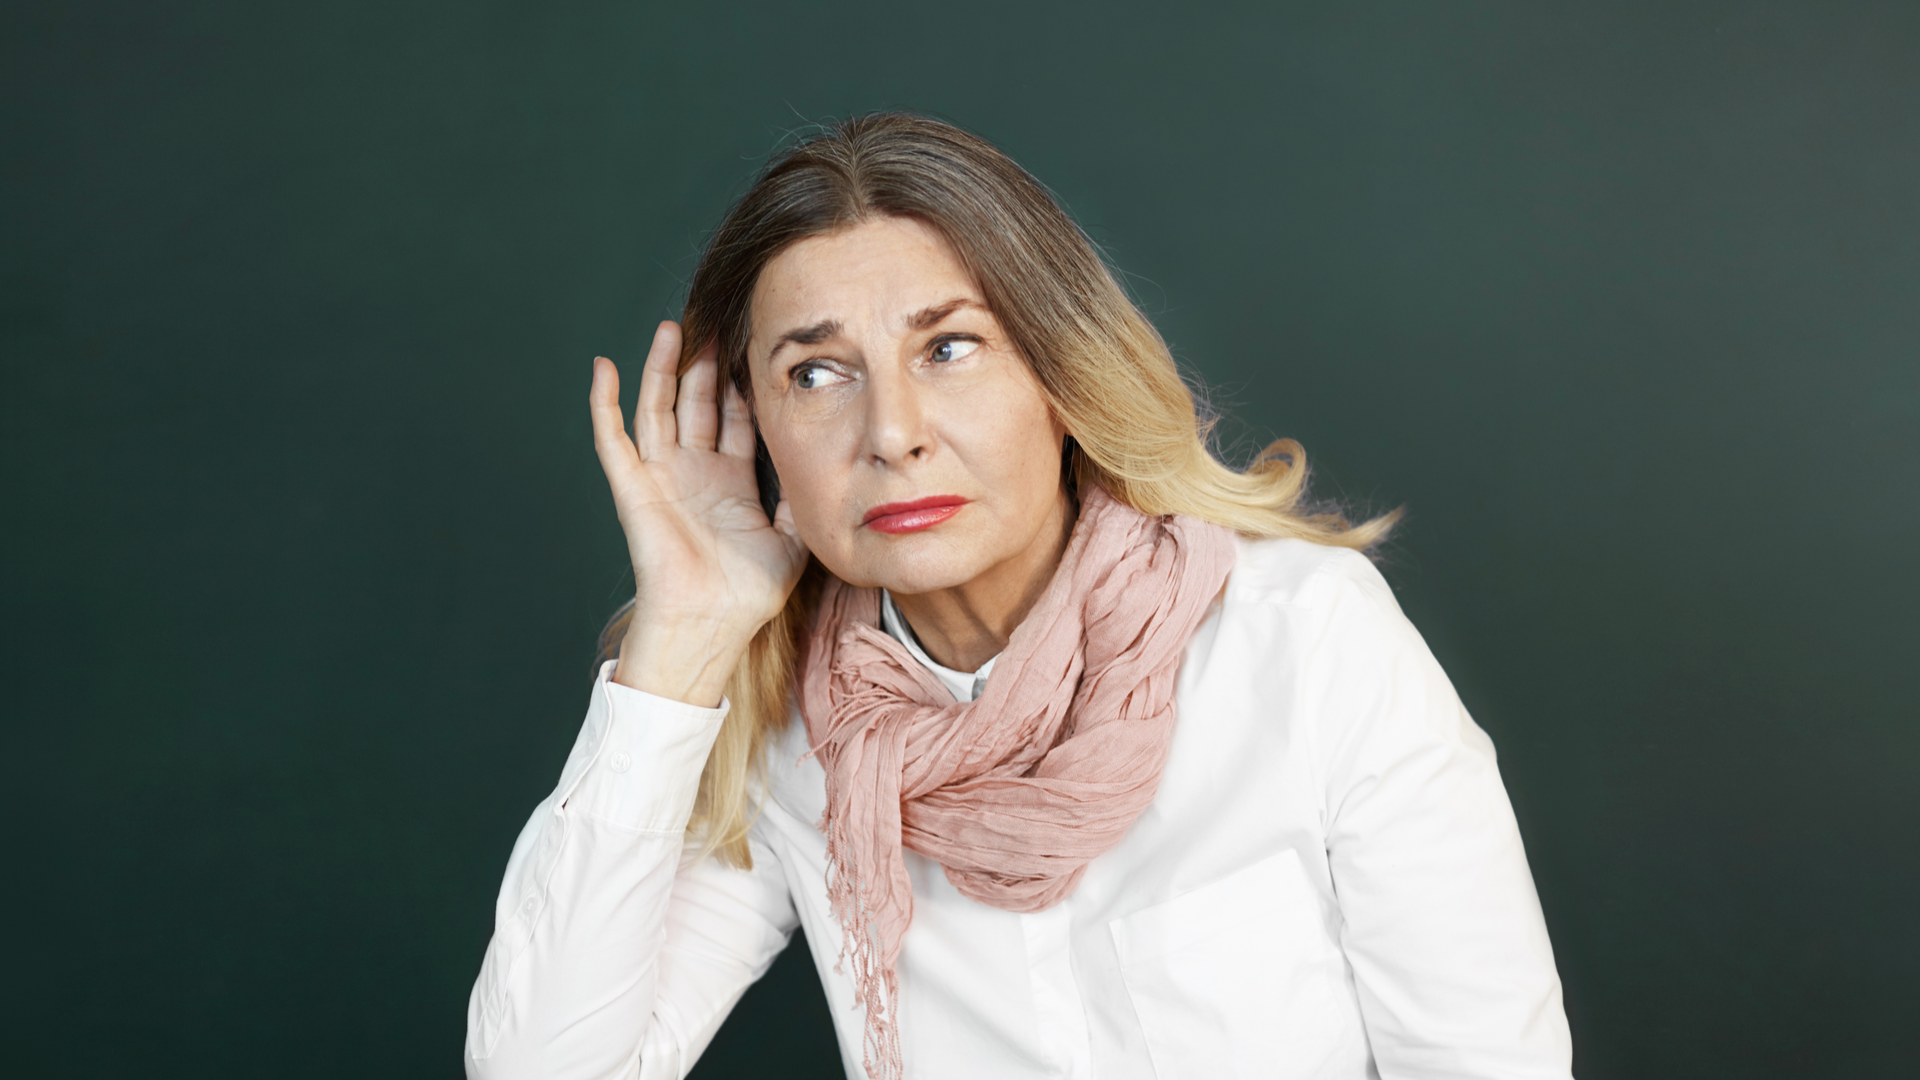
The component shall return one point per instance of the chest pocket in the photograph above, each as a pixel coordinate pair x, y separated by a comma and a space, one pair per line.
1237, 978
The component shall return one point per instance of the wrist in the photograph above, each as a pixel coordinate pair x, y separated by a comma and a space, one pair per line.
686, 660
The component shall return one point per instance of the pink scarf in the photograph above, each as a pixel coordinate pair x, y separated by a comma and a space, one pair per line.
1016, 792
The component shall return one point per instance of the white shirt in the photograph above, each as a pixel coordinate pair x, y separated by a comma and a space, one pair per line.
1328, 883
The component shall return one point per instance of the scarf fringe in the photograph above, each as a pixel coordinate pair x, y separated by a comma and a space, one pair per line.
874, 982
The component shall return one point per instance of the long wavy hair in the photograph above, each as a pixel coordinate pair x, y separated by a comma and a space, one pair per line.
1133, 423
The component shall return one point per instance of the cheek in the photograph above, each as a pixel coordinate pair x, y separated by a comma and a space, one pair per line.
809, 481
1019, 440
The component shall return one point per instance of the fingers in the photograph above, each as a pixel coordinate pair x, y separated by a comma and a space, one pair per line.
697, 411
617, 455
654, 427
736, 424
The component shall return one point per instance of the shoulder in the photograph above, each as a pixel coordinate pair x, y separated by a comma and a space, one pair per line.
1323, 613
1323, 621
1301, 574
1296, 614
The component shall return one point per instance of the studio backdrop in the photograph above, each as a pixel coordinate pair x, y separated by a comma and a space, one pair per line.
305, 545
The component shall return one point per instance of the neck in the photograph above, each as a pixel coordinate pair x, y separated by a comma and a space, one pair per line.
968, 625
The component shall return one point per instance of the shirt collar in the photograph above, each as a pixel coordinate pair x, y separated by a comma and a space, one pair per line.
963, 685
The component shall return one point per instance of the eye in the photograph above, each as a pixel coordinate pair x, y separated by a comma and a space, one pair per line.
813, 376
951, 349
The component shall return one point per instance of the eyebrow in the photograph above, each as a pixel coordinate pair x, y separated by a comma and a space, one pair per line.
930, 316
829, 328
806, 335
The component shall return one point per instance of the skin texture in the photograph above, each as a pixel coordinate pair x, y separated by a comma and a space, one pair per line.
879, 377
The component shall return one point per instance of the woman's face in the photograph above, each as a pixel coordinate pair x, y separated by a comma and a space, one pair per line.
911, 438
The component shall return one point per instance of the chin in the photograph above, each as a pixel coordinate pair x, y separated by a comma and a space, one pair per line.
907, 566
910, 583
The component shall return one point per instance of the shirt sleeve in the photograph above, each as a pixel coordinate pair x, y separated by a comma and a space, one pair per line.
1441, 924
617, 951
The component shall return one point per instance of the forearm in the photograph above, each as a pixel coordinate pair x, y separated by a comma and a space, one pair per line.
568, 985
572, 997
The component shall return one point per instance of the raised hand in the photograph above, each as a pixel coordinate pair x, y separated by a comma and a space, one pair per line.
709, 568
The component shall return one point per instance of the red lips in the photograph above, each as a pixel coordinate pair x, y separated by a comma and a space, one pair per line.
905, 517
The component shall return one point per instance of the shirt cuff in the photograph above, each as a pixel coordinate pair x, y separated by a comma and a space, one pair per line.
638, 760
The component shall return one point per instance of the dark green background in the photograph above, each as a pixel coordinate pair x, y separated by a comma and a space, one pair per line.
305, 547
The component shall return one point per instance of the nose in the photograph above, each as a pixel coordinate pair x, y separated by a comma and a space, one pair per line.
897, 429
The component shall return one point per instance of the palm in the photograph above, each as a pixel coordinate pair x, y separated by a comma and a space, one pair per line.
685, 491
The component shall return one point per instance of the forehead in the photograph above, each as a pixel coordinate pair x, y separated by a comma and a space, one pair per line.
880, 270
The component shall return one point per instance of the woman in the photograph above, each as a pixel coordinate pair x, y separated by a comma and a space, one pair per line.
1075, 752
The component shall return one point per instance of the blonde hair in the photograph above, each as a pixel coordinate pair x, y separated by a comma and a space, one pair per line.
1135, 428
